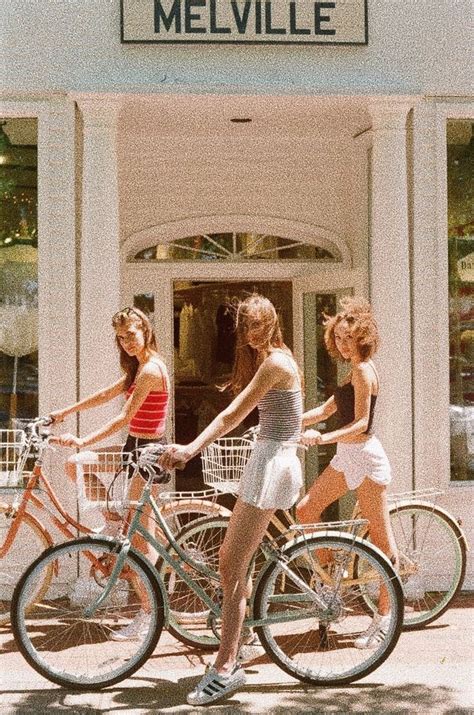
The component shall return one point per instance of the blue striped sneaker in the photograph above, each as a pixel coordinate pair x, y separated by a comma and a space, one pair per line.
214, 686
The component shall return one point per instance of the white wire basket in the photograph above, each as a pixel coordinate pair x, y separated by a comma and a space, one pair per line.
12, 458
223, 462
102, 481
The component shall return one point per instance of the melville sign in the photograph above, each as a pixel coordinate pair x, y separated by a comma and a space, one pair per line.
340, 22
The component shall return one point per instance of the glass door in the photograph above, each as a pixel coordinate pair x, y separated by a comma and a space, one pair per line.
321, 375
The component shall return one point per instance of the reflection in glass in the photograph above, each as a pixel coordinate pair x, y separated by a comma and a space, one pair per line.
460, 154
18, 270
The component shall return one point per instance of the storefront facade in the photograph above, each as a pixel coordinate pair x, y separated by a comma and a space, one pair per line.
175, 176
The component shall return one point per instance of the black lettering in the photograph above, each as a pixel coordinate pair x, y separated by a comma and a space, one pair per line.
215, 30
173, 16
268, 22
190, 16
318, 18
241, 20
293, 29
258, 17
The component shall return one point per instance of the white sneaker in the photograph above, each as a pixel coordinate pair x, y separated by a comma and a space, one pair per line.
137, 628
375, 633
214, 686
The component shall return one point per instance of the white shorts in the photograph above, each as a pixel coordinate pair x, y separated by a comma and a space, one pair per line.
359, 460
272, 477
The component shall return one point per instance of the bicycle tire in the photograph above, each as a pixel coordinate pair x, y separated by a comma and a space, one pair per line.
59, 640
440, 559
319, 648
29, 542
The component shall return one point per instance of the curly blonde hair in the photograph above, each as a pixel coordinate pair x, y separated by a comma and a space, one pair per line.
357, 313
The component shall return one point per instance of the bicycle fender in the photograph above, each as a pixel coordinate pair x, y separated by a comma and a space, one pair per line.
457, 528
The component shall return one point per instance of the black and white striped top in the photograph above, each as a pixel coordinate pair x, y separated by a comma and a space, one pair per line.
280, 415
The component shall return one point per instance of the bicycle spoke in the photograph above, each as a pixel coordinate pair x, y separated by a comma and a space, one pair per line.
63, 642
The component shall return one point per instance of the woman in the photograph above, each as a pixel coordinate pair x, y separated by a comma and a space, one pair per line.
360, 462
264, 375
145, 384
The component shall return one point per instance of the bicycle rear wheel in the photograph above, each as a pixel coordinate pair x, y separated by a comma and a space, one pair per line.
315, 611
432, 555
29, 542
57, 636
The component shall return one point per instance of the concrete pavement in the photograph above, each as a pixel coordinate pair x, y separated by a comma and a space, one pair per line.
430, 672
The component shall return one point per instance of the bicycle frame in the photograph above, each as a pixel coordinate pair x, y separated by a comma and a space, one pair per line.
135, 527
63, 521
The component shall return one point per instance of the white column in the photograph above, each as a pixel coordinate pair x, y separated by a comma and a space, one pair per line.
99, 254
390, 284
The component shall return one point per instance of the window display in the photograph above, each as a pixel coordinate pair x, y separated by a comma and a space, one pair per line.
460, 153
18, 270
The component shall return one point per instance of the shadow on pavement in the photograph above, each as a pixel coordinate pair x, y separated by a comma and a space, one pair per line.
166, 696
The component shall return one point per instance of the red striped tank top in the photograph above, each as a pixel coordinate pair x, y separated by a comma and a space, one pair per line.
150, 418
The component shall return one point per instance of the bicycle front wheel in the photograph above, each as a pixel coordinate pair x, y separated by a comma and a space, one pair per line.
28, 543
68, 645
432, 556
313, 610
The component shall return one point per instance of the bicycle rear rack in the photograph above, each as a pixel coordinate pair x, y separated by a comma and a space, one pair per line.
429, 493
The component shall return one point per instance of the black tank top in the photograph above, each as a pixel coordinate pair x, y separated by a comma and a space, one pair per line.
344, 399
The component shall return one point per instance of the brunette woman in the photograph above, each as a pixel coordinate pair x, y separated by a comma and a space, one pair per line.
360, 462
145, 386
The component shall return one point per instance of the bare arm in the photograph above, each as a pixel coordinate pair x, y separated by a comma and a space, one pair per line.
98, 398
362, 393
150, 378
321, 413
269, 374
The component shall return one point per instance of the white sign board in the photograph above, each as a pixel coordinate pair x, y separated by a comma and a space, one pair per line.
340, 22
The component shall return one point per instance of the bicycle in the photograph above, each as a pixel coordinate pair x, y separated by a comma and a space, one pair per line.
432, 548
307, 618
24, 536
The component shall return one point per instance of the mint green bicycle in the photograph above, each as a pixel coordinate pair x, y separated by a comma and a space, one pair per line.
305, 609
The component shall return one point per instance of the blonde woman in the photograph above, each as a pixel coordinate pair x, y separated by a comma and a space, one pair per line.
266, 376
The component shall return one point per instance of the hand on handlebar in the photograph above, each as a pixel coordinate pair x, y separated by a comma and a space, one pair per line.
175, 457
57, 416
67, 440
310, 437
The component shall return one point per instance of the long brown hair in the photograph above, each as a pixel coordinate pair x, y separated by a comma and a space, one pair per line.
247, 359
357, 313
129, 363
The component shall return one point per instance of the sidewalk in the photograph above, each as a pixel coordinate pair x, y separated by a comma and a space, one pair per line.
430, 672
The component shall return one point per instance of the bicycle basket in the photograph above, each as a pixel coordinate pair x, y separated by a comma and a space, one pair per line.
223, 462
12, 457
102, 481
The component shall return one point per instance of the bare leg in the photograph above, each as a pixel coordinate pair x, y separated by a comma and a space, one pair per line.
247, 527
372, 499
328, 487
